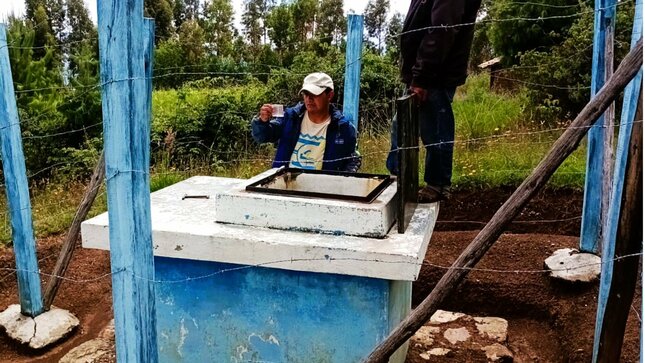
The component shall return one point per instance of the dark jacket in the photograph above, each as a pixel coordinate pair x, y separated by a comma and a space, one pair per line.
437, 57
340, 150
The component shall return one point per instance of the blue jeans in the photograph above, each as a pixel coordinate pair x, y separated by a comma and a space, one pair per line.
437, 129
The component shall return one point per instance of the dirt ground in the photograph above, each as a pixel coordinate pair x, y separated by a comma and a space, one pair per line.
548, 321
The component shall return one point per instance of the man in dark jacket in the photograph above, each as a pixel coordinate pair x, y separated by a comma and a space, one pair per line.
311, 135
435, 44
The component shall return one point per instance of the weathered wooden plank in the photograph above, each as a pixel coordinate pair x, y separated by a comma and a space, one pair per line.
123, 44
353, 53
592, 214
562, 148
67, 251
407, 123
630, 105
618, 281
17, 189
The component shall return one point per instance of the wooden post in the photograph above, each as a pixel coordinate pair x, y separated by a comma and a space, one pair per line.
631, 103
17, 188
67, 250
353, 53
407, 124
618, 280
563, 147
597, 176
124, 42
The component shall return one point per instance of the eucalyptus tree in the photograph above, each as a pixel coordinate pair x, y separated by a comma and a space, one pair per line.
218, 26
376, 20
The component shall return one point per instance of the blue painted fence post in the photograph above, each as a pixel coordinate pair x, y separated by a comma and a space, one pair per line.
592, 212
15, 174
353, 62
630, 104
124, 43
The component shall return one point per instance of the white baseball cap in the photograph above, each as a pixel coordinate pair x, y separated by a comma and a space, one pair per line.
317, 83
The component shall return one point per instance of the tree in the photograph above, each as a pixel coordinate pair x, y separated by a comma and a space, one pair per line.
557, 78
179, 12
376, 19
191, 9
81, 34
251, 19
510, 38
394, 28
191, 39
55, 18
43, 35
39, 79
162, 12
332, 24
218, 23
281, 28
304, 18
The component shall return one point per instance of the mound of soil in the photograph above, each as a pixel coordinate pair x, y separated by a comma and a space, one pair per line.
548, 321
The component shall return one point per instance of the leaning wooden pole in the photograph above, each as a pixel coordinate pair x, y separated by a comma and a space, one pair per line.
67, 251
562, 148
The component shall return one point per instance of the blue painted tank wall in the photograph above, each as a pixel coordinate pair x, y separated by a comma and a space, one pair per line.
255, 314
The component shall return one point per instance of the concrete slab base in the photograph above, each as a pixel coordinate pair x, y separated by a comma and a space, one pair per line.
41, 331
571, 265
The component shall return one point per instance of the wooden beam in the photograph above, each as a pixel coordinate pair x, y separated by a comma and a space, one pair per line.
561, 149
17, 189
631, 102
594, 194
124, 44
67, 250
353, 53
622, 272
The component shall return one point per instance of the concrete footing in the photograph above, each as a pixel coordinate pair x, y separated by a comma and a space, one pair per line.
41, 331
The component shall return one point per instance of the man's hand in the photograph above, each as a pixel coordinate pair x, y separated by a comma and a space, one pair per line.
420, 93
265, 112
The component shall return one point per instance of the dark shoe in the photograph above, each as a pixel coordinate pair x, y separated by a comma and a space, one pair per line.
432, 194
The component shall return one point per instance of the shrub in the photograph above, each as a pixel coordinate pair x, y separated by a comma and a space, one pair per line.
210, 124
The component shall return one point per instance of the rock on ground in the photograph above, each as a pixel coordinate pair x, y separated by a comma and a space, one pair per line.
99, 350
569, 264
41, 331
460, 335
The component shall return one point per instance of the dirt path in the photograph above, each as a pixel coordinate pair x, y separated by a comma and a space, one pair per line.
548, 322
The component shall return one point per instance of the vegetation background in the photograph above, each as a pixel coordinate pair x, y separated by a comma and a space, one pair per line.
210, 79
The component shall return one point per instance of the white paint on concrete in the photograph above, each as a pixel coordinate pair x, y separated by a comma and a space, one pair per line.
442, 317
187, 229
492, 327
183, 333
41, 331
456, 335
571, 265
237, 206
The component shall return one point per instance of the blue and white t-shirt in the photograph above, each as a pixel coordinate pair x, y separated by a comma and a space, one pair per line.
310, 148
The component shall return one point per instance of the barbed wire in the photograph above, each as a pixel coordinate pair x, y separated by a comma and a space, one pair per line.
325, 259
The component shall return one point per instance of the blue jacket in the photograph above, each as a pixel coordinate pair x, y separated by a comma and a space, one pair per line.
340, 150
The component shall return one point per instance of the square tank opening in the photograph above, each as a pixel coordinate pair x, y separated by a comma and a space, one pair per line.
323, 184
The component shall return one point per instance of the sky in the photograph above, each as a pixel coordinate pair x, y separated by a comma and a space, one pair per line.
356, 6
